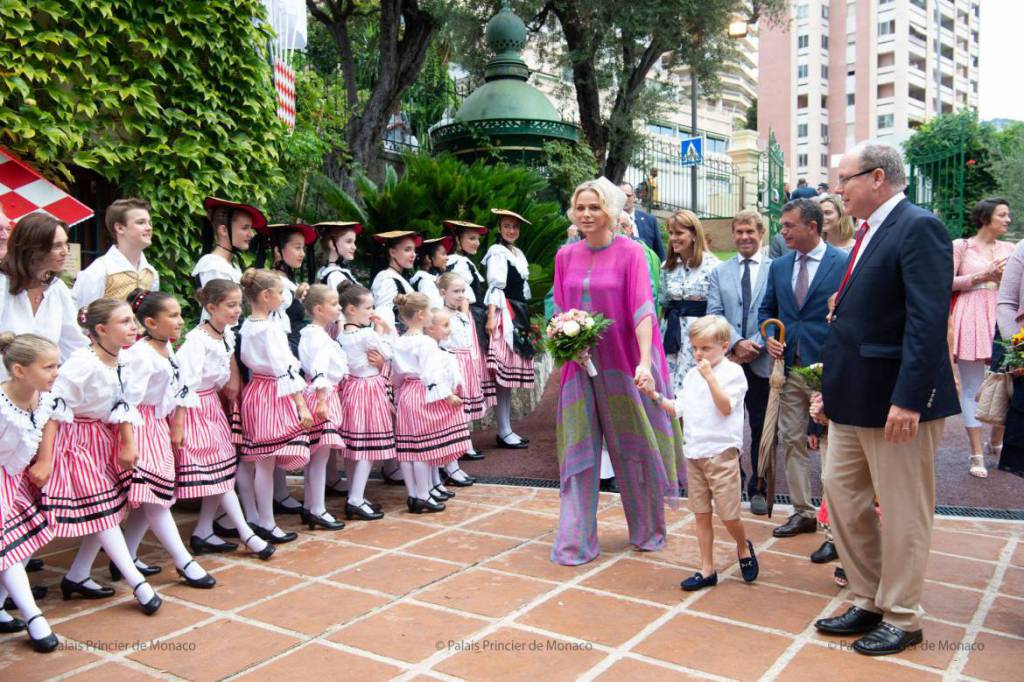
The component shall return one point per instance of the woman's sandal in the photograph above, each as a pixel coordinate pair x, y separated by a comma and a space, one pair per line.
978, 469
840, 577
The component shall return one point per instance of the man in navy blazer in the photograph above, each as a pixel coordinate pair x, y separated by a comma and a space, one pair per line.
735, 290
646, 224
799, 286
887, 389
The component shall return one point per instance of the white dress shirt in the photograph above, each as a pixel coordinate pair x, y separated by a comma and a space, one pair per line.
706, 431
91, 283
755, 268
814, 257
875, 221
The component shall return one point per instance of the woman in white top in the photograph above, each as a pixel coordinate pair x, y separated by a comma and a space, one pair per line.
400, 248
229, 229
33, 300
431, 262
339, 242
510, 355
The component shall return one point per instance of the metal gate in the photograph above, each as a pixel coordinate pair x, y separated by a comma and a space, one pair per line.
771, 183
936, 183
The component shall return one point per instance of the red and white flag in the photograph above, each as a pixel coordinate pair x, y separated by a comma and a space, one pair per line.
23, 190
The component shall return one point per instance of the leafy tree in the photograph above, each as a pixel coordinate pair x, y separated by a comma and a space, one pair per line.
167, 101
752, 115
611, 47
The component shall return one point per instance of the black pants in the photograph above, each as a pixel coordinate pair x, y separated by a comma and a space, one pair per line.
756, 402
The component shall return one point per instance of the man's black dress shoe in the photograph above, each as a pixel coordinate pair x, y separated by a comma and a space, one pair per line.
502, 443
203, 546
609, 485
472, 456
887, 639
68, 588
825, 553
33, 565
856, 621
794, 526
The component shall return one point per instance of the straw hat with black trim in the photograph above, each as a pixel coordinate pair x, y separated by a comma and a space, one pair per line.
259, 221
325, 227
510, 214
456, 226
392, 236
447, 241
271, 231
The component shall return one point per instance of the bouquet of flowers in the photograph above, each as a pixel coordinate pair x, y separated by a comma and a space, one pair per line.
811, 376
572, 333
1013, 352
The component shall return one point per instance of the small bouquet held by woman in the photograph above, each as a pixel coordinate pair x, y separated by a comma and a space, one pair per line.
570, 335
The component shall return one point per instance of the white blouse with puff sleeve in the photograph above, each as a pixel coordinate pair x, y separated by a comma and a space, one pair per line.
156, 380
322, 358
94, 390
205, 361
419, 356
21, 431
265, 351
357, 342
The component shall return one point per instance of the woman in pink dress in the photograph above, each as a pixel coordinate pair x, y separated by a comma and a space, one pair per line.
978, 263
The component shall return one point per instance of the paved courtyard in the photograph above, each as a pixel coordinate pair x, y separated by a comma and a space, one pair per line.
470, 594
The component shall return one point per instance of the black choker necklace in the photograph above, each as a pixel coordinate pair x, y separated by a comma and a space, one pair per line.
100, 346
231, 251
153, 338
219, 331
358, 326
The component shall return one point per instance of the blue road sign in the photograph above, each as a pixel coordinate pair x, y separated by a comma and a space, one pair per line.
691, 151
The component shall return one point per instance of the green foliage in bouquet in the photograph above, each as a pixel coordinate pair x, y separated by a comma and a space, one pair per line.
811, 376
570, 333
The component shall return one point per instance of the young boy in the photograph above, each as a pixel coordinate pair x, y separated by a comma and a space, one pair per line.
124, 267
711, 407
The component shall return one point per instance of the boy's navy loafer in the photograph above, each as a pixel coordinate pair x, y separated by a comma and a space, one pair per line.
748, 566
697, 581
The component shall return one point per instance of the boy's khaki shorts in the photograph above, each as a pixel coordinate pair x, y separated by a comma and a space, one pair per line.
715, 478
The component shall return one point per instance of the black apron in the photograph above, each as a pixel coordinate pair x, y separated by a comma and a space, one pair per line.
516, 297
477, 309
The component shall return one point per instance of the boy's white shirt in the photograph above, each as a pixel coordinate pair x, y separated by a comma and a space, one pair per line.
91, 283
706, 431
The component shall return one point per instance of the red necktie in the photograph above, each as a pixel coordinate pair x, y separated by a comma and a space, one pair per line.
853, 255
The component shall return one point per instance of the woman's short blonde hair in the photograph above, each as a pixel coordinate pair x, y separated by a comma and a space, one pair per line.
687, 220
844, 233
611, 198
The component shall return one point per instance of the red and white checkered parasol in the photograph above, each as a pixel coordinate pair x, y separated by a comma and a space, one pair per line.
23, 190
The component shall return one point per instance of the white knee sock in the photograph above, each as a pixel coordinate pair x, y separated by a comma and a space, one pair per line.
316, 480
333, 475
15, 583
421, 471
265, 492
409, 477
281, 491
350, 471
503, 415
357, 481
229, 502
113, 544
393, 469
245, 484
606, 464
134, 530
454, 471
207, 515
162, 523
81, 567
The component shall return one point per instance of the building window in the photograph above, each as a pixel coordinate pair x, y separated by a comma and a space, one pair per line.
849, 99
824, 131
801, 101
801, 160
824, 42
801, 11
824, 11
802, 42
885, 121
824, 160
801, 71
824, 71
716, 145
801, 130
887, 28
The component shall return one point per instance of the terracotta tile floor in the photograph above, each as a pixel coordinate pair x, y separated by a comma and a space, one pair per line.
470, 594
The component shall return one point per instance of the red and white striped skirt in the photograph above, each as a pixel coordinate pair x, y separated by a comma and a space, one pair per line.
428, 432
487, 383
510, 369
472, 391
270, 425
153, 476
207, 459
368, 418
88, 490
325, 433
23, 526
234, 412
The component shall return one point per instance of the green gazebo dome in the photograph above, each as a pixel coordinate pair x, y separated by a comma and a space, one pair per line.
506, 111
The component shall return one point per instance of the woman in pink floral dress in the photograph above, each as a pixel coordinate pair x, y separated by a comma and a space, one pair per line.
978, 263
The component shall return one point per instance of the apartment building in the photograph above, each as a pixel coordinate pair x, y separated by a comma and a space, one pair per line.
834, 72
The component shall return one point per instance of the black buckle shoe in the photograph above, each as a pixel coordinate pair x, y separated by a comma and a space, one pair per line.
68, 588
268, 535
204, 583
203, 546
748, 565
418, 506
265, 553
38, 592
43, 645
146, 571
314, 521
388, 480
698, 581
12, 625
449, 479
856, 621
472, 456
442, 495
33, 565
887, 639
281, 508
363, 512
826, 553
224, 531
153, 605
502, 443
331, 491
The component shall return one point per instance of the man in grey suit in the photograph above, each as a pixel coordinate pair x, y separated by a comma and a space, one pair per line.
646, 224
736, 289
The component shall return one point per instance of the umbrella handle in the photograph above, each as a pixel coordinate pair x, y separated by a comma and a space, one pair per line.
777, 323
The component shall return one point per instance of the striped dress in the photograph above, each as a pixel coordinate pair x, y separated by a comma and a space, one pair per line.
207, 460
158, 388
508, 290
475, 287
88, 490
270, 419
325, 365
368, 413
428, 429
462, 343
24, 528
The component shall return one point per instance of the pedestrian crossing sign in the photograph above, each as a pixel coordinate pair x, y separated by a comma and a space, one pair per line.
691, 151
